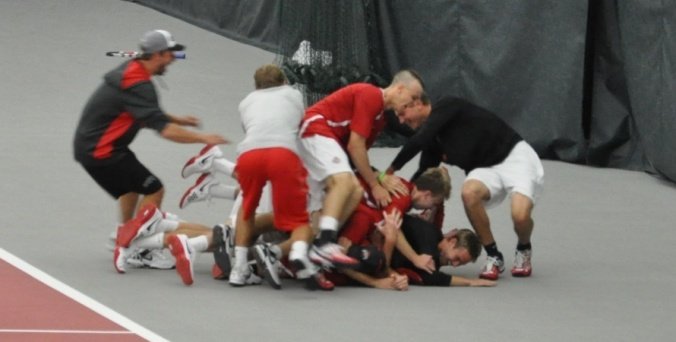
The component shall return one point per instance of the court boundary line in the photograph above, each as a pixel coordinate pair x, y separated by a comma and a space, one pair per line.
62, 331
79, 297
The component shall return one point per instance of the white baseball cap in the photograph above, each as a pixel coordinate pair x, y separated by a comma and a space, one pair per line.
159, 40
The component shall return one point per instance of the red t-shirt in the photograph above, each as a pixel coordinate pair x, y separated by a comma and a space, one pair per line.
360, 226
355, 108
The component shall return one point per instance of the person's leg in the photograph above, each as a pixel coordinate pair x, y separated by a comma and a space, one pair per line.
522, 207
128, 204
343, 194
474, 194
154, 198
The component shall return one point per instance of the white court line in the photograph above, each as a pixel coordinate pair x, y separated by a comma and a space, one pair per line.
48, 331
79, 297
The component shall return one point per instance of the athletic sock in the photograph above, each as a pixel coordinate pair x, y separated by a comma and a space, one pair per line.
523, 247
298, 250
492, 251
241, 256
220, 190
199, 244
154, 241
166, 225
224, 166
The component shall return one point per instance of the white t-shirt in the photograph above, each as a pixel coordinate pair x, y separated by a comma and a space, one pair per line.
271, 118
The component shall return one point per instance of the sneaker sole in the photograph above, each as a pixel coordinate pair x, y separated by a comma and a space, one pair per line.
183, 265
221, 255
116, 255
521, 274
323, 261
262, 263
193, 160
183, 202
489, 277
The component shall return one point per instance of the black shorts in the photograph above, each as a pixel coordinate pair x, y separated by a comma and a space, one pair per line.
127, 175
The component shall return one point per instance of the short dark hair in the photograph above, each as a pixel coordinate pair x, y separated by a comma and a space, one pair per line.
467, 239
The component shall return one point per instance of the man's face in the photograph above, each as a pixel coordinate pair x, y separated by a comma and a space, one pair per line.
405, 96
164, 59
454, 256
423, 199
413, 114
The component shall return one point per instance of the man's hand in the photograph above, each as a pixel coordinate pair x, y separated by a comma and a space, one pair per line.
392, 282
424, 262
390, 224
400, 281
214, 139
482, 282
381, 195
394, 185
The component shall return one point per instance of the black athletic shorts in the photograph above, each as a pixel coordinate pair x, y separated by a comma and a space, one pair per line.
127, 175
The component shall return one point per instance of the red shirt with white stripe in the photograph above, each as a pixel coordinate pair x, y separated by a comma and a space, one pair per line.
355, 108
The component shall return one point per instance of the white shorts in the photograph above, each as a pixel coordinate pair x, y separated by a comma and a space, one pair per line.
520, 172
322, 157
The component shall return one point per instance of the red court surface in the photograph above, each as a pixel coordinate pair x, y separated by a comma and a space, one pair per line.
36, 307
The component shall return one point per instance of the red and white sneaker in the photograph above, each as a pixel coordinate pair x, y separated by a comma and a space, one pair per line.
180, 249
199, 191
318, 281
120, 255
522, 266
141, 225
492, 269
217, 273
202, 162
331, 255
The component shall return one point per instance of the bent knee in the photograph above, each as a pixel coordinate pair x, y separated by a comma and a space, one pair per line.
474, 192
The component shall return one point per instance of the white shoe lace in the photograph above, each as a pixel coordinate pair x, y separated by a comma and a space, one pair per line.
492, 262
521, 258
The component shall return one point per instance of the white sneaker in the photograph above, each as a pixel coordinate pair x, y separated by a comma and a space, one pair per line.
199, 191
120, 255
202, 162
181, 250
268, 263
330, 255
522, 265
144, 224
492, 268
243, 276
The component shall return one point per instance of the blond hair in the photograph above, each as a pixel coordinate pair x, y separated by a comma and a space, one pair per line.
269, 76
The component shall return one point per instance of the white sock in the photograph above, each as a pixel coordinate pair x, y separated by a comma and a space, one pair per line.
155, 241
298, 250
166, 225
328, 223
224, 166
241, 256
199, 244
220, 190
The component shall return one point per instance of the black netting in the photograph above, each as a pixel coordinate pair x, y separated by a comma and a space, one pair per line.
326, 44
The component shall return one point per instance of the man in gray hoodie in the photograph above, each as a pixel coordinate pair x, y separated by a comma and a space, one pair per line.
124, 103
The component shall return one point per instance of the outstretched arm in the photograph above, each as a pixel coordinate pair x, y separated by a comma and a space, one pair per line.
176, 133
